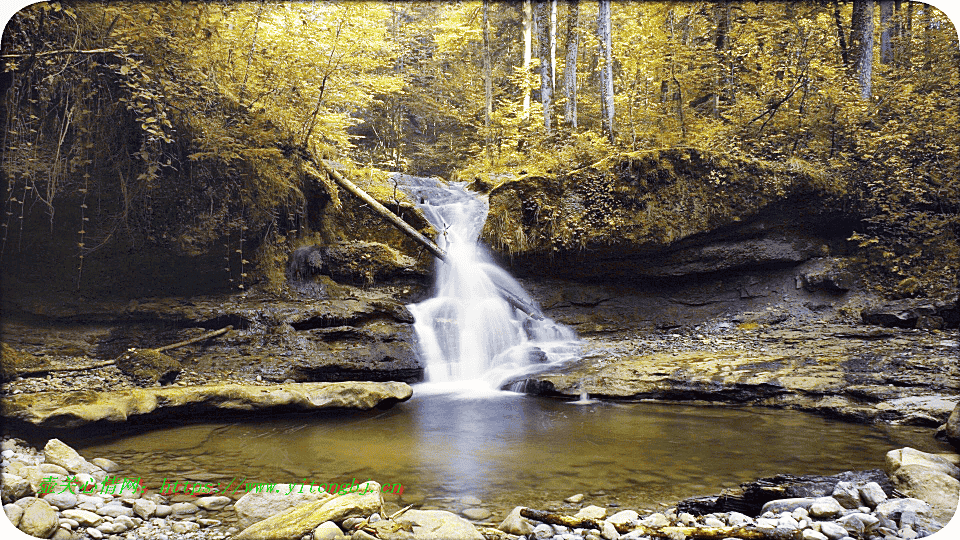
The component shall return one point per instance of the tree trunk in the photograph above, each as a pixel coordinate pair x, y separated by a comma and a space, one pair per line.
722, 80
886, 32
841, 39
527, 52
553, 45
861, 43
570, 66
546, 67
487, 82
606, 77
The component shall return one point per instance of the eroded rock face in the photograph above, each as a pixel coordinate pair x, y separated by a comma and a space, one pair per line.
72, 409
832, 373
953, 427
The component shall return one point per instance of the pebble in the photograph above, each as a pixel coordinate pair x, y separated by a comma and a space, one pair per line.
476, 514
216, 502
470, 500
574, 499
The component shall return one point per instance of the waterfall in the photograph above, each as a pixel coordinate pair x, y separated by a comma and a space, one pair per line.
468, 330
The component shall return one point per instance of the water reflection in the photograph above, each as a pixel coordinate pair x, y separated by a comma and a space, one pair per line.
510, 449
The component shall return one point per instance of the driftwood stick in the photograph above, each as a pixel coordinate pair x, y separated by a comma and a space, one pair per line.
701, 533
56, 369
191, 341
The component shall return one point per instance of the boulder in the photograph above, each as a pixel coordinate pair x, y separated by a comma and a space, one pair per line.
953, 427
59, 453
256, 506
895, 459
39, 519
13, 512
72, 409
914, 313
941, 491
293, 523
433, 525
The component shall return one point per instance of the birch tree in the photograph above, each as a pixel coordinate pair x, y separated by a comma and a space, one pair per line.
606, 75
570, 65
544, 31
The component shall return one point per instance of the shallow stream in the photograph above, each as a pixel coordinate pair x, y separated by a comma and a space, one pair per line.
508, 449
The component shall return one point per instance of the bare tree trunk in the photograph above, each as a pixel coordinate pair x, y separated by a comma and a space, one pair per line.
527, 55
722, 81
553, 45
546, 66
487, 82
606, 87
861, 42
844, 52
886, 32
570, 66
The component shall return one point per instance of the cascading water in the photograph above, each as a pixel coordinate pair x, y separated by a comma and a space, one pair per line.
472, 328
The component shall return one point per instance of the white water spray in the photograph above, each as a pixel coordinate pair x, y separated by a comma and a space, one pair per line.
469, 331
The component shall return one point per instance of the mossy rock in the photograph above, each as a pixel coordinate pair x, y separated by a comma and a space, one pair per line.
14, 362
147, 367
365, 262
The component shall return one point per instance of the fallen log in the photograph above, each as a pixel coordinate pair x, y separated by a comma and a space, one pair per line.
701, 533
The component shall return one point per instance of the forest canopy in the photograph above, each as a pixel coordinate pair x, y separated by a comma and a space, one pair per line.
199, 126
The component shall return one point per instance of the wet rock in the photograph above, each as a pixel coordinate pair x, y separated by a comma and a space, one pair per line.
833, 531
16, 362
116, 509
256, 506
434, 525
183, 527
106, 464
940, 490
71, 409
180, 508
301, 519
574, 498
895, 459
39, 519
827, 275
363, 263
514, 523
623, 517
476, 514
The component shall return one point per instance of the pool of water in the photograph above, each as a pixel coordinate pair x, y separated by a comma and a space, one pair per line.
509, 449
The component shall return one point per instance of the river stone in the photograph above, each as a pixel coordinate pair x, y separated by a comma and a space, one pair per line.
299, 520
72, 409
433, 525
833, 531
655, 521
514, 523
63, 534
872, 494
736, 519
476, 514
61, 500
574, 499
50, 468
14, 487
593, 512
182, 508
894, 508
13, 512
778, 506
826, 507
847, 495
115, 509
163, 510
327, 530
95, 533
542, 532
216, 502
182, 527
144, 508
84, 517
257, 506
39, 519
